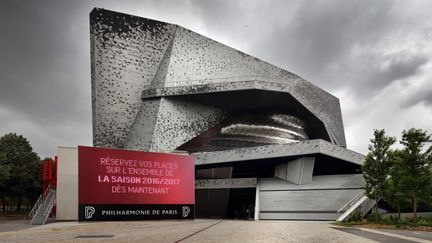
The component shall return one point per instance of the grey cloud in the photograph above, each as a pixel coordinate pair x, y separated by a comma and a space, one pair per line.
41, 69
45, 73
368, 77
398, 68
317, 40
423, 96
427, 98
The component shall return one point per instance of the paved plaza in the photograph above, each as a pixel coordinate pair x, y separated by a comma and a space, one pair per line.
202, 231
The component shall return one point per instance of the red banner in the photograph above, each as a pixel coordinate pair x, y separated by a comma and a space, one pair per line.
113, 176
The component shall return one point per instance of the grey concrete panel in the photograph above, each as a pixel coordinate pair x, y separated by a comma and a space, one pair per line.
281, 171
307, 171
318, 200
350, 181
298, 171
303, 201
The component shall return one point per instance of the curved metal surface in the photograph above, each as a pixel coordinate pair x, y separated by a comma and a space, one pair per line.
250, 129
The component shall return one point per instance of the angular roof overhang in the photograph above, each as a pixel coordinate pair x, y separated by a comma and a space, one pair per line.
311, 147
256, 94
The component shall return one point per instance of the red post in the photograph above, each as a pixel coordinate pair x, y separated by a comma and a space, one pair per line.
54, 183
56, 169
50, 166
43, 176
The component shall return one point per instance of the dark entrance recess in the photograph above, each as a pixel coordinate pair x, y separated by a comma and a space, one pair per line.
211, 203
234, 203
241, 203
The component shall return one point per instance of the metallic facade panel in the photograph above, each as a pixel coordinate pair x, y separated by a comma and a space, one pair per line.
131, 55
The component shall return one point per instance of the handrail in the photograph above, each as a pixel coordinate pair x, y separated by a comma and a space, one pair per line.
350, 202
35, 207
40, 200
353, 207
49, 206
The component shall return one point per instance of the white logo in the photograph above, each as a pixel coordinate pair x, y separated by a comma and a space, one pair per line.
89, 211
186, 211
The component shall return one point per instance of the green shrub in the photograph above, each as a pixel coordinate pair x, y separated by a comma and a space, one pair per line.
354, 217
422, 222
374, 217
427, 221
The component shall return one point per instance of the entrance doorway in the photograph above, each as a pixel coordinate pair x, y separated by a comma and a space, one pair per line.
241, 203
233, 203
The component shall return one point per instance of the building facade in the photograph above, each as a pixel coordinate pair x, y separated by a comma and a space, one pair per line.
268, 144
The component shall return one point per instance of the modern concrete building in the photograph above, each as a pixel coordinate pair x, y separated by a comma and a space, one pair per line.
268, 144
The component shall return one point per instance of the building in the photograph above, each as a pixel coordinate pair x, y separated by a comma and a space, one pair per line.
268, 144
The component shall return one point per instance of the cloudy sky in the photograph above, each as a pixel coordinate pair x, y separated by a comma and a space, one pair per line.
375, 56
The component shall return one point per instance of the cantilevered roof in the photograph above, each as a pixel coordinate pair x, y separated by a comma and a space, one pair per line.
311, 147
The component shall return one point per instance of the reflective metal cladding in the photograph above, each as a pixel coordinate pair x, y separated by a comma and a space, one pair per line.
156, 86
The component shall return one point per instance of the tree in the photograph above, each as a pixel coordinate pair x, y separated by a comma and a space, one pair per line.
414, 166
4, 171
394, 193
19, 157
4, 177
377, 165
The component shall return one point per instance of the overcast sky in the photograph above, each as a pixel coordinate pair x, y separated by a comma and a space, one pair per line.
375, 56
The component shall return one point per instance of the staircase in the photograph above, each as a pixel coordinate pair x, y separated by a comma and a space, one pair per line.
359, 204
43, 207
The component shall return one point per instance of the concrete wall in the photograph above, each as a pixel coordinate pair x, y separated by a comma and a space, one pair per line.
298, 171
318, 200
67, 184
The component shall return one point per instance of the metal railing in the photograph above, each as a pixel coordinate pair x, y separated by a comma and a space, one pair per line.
360, 204
350, 202
49, 207
40, 217
40, 201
